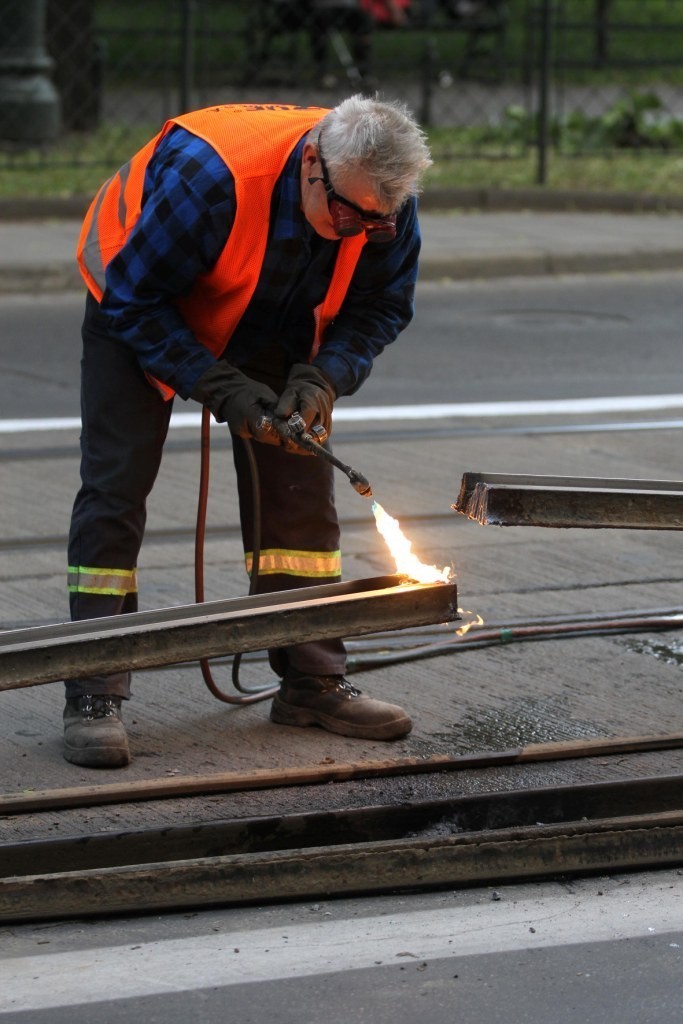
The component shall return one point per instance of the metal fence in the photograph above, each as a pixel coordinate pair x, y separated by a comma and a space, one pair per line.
87, 81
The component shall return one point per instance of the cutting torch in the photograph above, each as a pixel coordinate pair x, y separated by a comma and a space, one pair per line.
293, 430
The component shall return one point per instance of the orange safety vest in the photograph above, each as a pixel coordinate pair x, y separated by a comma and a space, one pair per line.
255, 141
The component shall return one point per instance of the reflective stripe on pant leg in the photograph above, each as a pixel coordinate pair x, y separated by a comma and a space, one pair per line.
88, 579
311, 565
299, 538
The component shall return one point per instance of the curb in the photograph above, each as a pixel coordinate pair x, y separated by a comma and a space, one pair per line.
53, 278
40, 279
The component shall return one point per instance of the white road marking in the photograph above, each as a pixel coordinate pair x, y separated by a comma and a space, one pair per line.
464, 410
519, 921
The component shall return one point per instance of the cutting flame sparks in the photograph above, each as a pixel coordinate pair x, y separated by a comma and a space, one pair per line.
467, 626
400, 547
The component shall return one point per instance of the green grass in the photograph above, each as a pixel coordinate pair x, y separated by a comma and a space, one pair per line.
643, 173
75, 166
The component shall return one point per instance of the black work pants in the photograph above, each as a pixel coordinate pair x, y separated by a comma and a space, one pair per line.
124, 426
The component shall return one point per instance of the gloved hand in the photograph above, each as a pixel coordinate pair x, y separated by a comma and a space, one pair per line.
309, 392
233, 397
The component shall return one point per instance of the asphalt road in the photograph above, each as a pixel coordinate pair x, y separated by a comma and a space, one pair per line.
485, 341
602, 951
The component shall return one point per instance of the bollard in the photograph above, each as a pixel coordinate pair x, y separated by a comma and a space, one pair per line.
29, 103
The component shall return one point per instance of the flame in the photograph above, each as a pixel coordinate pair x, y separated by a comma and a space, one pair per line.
400, 547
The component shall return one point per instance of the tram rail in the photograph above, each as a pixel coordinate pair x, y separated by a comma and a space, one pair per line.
472, 840
231, 782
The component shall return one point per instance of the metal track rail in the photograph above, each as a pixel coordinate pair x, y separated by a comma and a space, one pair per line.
44, 654
498, 837
315, 775
500, 499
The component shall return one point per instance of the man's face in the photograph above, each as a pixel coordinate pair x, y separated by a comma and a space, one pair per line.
314, 198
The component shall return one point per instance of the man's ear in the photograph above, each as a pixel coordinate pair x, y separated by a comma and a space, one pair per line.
310, 155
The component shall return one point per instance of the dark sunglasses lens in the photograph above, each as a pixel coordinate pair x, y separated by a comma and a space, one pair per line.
345, 220
349, 230
383, 231
381, 234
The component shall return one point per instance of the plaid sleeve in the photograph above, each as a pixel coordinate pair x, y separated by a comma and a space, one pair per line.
188, 209
377, 307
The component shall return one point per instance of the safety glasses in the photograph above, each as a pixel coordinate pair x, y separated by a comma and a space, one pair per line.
348, 219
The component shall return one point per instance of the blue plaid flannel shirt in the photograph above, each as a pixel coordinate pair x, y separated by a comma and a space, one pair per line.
188, 210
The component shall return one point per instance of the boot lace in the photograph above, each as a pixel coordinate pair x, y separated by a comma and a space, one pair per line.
343, 686
95, 706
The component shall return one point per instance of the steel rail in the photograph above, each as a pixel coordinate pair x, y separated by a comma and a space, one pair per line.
313, 775
44, 654
494, 838
471, 479
611, 845
501, 499
409, 638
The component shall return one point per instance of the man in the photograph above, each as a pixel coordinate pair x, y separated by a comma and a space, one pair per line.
255, 258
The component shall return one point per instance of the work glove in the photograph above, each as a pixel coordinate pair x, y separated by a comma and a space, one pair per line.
308, 392
238, 400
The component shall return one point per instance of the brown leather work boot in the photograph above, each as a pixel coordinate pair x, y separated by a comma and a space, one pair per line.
94, 735
334, 704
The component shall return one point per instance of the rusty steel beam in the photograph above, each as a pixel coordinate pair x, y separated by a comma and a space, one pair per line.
500, 499
168, 636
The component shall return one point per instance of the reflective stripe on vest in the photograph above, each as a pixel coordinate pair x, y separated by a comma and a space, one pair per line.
112, 215
314, 564
87, 579
255, 142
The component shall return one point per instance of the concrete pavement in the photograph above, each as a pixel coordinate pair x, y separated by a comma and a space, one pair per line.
459, 243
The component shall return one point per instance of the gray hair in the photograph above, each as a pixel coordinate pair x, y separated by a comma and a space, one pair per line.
379, 138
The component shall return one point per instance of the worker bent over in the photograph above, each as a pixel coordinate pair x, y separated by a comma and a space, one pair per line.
255, 258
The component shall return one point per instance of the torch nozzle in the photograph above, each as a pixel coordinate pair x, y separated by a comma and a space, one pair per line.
360, 483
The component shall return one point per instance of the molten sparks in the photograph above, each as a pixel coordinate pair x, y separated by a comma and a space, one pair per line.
467, 626
400, 547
